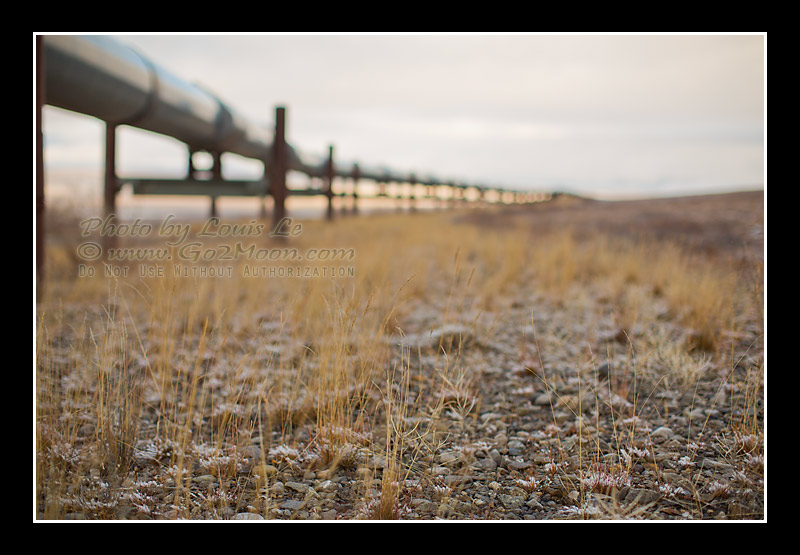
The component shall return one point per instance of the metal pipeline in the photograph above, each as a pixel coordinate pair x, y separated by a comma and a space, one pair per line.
100, 77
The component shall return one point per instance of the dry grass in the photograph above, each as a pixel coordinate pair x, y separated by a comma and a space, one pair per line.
179, 376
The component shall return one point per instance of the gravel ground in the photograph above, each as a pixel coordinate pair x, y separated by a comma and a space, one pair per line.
554, 412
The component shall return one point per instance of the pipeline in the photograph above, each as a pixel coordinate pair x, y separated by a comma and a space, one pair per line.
100, 77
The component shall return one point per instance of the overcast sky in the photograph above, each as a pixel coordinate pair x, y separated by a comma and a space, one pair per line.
600, 115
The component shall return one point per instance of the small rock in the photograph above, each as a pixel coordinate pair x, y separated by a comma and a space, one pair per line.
277, 489
248, 516
298, 487
291, 505
543, 399
450, 458
661, 434
252, 452
455, 480
487, 416
205, 479
604, 370
513, 464
641, 496
533, 502
718, 466
487, 464
511, 501
696, 414
424, 506
326, 486
264, 470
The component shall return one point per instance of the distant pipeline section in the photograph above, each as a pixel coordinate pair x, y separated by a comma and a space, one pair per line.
100, 77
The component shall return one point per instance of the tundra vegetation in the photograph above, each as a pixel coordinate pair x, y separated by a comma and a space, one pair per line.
464, 365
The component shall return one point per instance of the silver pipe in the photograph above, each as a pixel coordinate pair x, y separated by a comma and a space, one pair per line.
98, 76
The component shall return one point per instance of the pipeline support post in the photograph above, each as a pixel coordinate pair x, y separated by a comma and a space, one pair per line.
40, 227
216, 173
356, 177
277, 167
412, 198
190, 168
110, 182
329, 173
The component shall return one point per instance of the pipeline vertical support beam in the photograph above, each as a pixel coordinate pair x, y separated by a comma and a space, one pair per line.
277, 167
412, 198
356, 177
190, 169
40, 227
216, 170
397, 188
329, 174
110, 182
216, 173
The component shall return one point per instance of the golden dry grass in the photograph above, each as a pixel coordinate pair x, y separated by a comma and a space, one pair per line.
194, 368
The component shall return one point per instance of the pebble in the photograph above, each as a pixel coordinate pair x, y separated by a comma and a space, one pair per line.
604, 370
264, 470
516, 465
326, 486
252, 452
298, 487
457, 480
662, 434
512, 501
248, 516
488, 464
450, 458
641, 496
291, 505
